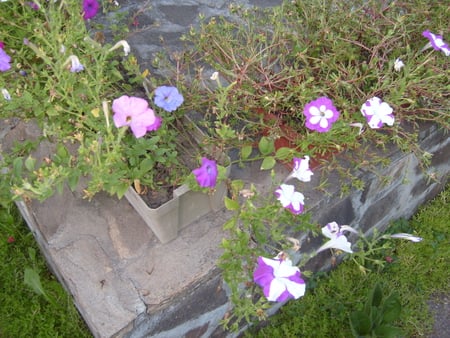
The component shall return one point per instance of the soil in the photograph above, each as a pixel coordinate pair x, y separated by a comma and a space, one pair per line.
156, 198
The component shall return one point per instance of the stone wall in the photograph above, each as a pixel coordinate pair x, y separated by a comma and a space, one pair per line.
197, 313
127, 284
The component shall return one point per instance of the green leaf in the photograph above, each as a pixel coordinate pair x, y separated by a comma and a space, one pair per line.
18, 166
268, 163
30, 163
391, 309
360, 323
266, 146
231, 204
388, 331
147, 164
375, 297
283, 153
229, 225
32, 279
246, 151
72, 180
62, 153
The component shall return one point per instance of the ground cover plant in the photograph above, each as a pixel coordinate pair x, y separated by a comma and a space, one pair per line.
87, 97
363, 62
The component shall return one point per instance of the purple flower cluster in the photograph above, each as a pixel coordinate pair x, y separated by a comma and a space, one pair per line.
134, 112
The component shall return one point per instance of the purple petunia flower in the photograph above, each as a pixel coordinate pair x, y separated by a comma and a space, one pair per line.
377, 113
206, 175
168, 98
437, 42
133, 112
155, 125
90, 9
5, 59
33, 5
320, 114
279, 279
293, 200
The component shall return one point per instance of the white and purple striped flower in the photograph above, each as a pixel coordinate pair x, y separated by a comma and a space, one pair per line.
293, 200
437, 42
335, 233
279, 280
377, 113
301, 169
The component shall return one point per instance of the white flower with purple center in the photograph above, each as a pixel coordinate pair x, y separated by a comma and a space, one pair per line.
377, 113
335, 233
437, 42
320, 114
301, 169
293, 200
279, 280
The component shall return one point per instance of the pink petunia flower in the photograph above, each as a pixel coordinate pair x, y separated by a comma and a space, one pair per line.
155, 125
133, 112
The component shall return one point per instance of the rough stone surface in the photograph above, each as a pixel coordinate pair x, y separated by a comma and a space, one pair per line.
124, 282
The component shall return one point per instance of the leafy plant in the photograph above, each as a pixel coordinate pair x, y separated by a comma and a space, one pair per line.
68, 77
273, 62
377, 316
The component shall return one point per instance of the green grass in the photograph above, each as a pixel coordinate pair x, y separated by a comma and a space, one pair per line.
24, 313
419, 271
